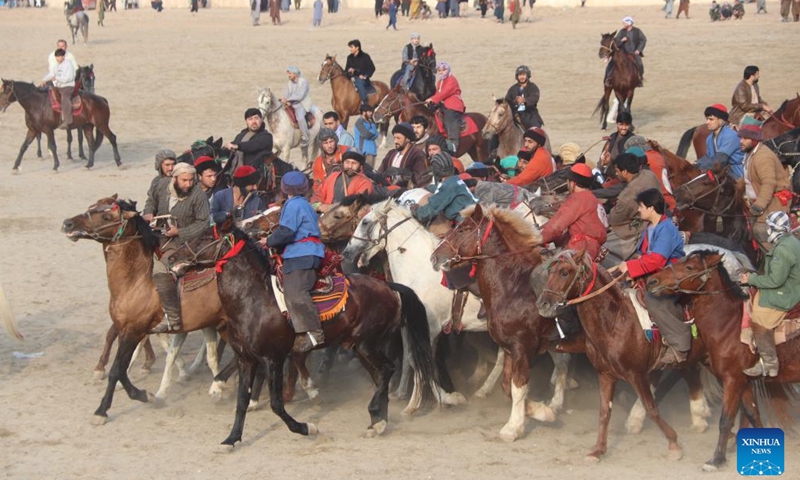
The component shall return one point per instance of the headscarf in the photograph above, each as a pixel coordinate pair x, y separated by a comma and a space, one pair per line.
628, 20
293, 69
442, 76
181, 168
778, 225
415, 35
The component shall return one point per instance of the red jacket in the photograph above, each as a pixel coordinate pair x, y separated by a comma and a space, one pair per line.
322, 167
449, 92
657, 164
540, 166
578, 217
357, 184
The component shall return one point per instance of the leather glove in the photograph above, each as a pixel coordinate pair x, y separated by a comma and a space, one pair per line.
756, 211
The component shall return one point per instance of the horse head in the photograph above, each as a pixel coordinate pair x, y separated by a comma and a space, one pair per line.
689, 274
263, 224
564, 276
86, 76
388, 105
328, 69
340, 222
106, 221
705, 190
264, 101
370, 235
498, 119
607, 45
463, 241
7, 96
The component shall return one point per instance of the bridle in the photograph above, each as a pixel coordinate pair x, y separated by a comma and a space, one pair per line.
217, 244
717, 190
330, 75
778, 147
479, 242
582, 274
95, 235
385, 230
613, 48
704, 275
266, 111
248, 222
398, 99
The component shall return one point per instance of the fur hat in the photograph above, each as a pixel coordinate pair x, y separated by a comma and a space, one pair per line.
327, 133
753, 132
245, 175
625, 117
294, 183
717, 110
206, 163
182, 168
536, 134
405, 129
163, 155
353, 155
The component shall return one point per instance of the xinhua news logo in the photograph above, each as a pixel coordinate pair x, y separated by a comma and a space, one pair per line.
760, 451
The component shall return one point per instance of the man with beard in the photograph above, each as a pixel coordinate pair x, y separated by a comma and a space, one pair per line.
420, 125
165, 162
207, 171
329, 159
523, 98
239, 201
271, 172
349, 181
722, 144
746, 100
631, 40
187, 207
405, 154
253, 143
766, 182
541, 164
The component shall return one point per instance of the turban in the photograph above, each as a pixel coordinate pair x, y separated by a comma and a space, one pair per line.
293, 69
442, 165
569, 152
627, 20
181, 168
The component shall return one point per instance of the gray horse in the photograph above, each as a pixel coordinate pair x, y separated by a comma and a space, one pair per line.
77, 21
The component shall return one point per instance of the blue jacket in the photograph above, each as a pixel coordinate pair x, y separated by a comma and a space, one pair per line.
726, 150
365, 135
222, 206
298, 222
661, 245
450, 198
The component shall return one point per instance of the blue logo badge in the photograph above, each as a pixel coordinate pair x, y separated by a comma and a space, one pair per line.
760, 451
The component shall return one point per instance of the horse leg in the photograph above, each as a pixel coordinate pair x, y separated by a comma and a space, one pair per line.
604, 107
642, 387
105, 130
325, 366
51, 145
520, 376
561, 363
100, 369
174, 350
88, 132
732, 392
305, 379
69, 144
210, 338
607, 384
405, 371
198, 360
697, 401
258, 385
81, 154
381, 370
39, 146
221, 378
750, 409
118, 373
247, 372
494, 375
291, 379
149, 355
28, 139
275, 378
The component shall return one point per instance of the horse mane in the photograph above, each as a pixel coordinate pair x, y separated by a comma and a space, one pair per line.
506, 218
727, 281
364, 198
149, 237
261, 261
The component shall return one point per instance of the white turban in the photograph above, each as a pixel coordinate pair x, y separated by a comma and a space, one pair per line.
627, 20
181, 168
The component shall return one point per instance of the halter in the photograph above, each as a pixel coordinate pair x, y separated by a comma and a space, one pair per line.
704, 275
581, 274
480, 242
269, 112
777, 146
384, 232
122, 223
391, 111
330, 75
716, 190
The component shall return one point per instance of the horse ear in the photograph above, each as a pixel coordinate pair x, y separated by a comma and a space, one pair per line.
477, 214
114, 197
218, 144
210, 140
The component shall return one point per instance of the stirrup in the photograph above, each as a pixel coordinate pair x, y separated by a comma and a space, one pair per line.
166, 326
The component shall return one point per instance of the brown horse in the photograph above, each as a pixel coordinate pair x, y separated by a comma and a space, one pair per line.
785, 118
135, 308
345, 100
261, 336
500, 122
717, 303
41, 118
624, 77
615, 342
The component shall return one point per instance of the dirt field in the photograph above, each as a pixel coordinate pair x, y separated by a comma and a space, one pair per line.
172, 78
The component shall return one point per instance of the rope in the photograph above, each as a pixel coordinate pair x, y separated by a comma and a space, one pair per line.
599, 291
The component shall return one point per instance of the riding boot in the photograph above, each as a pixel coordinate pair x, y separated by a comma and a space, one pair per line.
768, 356
670, 356
307, 341
168, 293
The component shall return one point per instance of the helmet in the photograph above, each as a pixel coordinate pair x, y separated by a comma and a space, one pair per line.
523, 69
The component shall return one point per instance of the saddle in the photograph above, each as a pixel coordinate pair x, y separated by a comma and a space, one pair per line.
787, 330
196, 279
55, 101
467, 128
310, 120
330, 291
650, 328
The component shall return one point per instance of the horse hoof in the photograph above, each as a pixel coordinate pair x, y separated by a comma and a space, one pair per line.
98, 420
380, 427
312, 429
408, 411
99, 374
633, 429
675, 455
223, 448
480, 394
315, 398
700, 427
709, 467
155, 399
121, 167
456, 398
253, 406
88, 167
15, 171
592, 459
508, 434
55, 171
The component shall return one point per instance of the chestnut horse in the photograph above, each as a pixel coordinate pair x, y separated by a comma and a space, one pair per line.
718, 302
624, 77
135, 308
345, 100
262, 337
41, 118
785, 118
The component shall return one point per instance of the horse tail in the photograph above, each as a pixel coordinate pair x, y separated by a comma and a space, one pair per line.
98, 138
686, 140
779, 403
415, 318
7, 318
602, 106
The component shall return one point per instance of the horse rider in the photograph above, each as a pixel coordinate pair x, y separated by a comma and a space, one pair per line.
661, 245
653, 160
631, 40
435, 144
767, 183
615, 145
253, 143
406, 155
297, 96
63, 78
411, 53
360, 68
331, 120
523, 98
299, 236
350, 180
448, 93
626, 225
778, 292
450, 193
186, 205
240, 201
68, 56
541, 163
512, 165
271, 171
366, 134
207, 171
420, 125
746, 100
722, 144
329, 159
165, 163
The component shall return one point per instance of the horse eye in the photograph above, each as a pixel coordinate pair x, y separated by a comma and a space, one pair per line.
689, 267
107, 217
564, 273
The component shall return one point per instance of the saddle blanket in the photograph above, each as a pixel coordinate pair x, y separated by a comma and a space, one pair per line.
55, 102
196, 279
293, 117
468, 126
330, 300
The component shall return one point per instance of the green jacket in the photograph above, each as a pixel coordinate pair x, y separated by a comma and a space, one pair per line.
450, 198
780, 284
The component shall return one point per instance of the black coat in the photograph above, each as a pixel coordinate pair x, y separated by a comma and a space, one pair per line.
636, 40
361, 63
255, 149
530, 116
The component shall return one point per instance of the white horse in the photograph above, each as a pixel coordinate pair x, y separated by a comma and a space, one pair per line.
7, 318
285, 136
77, 21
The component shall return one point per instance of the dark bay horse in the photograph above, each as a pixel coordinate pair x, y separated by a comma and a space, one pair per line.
615, 342
785, 118
624, 77
84, 78
134, 307
423, 83
717, 303
345, 100
41, 118
261, 337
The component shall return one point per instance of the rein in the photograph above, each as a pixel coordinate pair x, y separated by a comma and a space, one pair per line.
122, 223
385, 230
703, 275
717, 190
330, 74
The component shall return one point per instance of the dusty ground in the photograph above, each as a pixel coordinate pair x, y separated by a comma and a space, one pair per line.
173, 78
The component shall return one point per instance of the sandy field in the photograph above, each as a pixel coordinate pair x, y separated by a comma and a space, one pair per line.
172, 78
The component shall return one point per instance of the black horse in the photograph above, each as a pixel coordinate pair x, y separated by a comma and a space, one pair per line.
214, 149
787, 147
84, 78
423, 83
